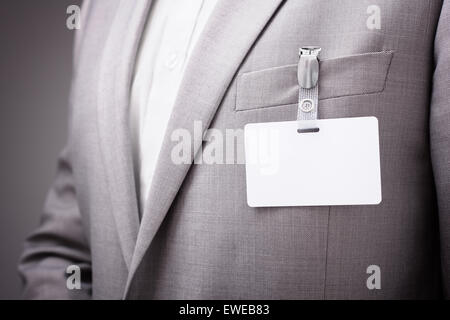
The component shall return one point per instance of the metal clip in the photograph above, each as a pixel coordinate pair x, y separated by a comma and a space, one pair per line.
308, 67
308, 96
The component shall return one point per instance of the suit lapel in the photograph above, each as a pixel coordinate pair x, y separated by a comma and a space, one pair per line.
228, 36
116, 70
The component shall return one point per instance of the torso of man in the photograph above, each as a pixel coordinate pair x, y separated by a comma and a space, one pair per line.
197, 237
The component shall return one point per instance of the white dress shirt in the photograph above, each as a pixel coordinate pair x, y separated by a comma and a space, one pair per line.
171, 32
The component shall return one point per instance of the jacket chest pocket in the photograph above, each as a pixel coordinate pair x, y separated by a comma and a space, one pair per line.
353, 75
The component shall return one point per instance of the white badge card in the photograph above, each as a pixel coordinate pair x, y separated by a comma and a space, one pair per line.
337, 165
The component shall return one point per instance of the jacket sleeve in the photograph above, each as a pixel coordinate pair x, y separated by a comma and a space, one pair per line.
440, 137
59, 241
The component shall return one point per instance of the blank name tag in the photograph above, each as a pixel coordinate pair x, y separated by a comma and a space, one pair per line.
338, 165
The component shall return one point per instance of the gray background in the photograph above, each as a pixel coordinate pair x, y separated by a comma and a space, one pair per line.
35, 72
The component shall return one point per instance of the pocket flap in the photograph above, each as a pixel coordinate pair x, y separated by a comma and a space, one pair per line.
345, 76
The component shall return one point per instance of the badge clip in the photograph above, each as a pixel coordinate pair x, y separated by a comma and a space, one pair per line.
308, 80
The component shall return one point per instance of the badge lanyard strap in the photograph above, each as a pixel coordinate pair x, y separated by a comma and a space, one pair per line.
308, 97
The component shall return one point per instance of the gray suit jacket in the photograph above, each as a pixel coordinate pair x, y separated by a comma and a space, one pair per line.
199, 239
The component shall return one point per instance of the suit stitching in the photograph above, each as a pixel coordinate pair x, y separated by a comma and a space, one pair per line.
326, 253
429, 18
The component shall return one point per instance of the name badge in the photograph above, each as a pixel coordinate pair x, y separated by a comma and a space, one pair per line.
337, 164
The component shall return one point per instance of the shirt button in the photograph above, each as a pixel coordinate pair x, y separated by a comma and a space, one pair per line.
172, 61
